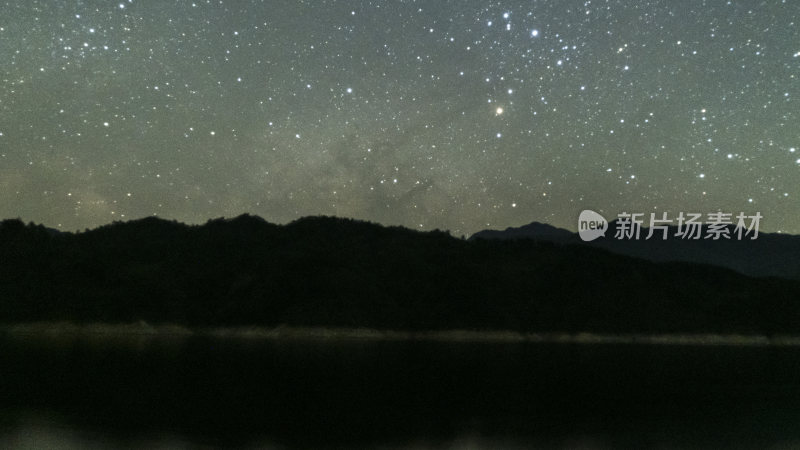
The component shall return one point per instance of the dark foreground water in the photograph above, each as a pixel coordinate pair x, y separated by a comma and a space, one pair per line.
169, 392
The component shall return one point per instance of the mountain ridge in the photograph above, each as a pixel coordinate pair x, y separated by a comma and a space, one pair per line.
334, 272
771, 254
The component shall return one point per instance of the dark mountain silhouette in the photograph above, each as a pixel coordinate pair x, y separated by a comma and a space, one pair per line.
323, 271
534, 230
771, 254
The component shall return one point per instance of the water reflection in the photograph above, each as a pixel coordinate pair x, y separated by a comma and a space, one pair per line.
170, 392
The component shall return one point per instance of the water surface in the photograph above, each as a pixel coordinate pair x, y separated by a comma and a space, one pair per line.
148, 391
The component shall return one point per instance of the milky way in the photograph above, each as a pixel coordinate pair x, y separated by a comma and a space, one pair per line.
457, 115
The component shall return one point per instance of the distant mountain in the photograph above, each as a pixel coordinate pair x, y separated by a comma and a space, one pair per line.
324, 271
534, 230
771, 254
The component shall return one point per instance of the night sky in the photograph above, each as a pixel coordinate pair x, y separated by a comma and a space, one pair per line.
458, 115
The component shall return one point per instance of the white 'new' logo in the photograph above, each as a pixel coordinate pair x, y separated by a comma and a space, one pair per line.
591, 225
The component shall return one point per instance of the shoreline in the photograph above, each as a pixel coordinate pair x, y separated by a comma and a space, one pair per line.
145, 330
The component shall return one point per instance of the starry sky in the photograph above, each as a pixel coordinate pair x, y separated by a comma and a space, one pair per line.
457, 115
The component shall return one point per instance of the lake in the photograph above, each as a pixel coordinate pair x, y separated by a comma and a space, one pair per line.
179, 392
